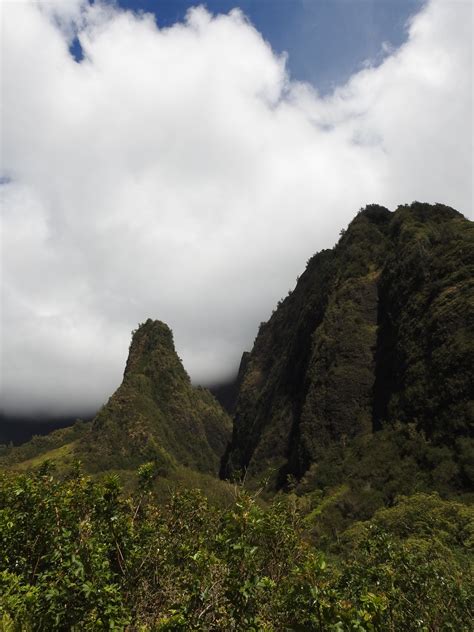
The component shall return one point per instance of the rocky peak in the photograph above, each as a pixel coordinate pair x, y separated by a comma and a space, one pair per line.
149, 339
156, 414
377, 330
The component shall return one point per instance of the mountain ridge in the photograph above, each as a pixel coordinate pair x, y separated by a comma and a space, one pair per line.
345, 352
378, 330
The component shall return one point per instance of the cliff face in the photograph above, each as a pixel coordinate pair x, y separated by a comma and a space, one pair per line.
156, 414
377, 330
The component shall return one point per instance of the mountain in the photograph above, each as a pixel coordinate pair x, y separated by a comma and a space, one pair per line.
156, 414
378, 331
377, 335
356, 400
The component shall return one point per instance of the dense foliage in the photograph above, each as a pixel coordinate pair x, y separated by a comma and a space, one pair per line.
351, 480
424, 363
78, 555
378, 330
356, 400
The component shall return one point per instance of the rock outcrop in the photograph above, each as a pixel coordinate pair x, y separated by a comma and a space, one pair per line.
379, 329
156, 414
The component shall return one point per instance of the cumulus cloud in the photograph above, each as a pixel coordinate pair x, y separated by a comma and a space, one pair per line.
181, 174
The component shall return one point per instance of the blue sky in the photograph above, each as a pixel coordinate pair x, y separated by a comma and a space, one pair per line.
326, 40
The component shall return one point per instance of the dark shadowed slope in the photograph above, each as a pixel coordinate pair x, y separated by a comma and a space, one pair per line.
378, 329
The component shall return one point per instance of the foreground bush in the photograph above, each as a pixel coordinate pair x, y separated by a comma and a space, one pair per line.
77, 555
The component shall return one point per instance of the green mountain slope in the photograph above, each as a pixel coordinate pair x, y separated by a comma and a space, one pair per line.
356, 399
378, 330
156, 414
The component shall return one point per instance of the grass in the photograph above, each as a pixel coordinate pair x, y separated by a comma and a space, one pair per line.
61, 456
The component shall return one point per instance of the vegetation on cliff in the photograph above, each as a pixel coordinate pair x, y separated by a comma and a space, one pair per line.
354, 421
377, 331
155, 414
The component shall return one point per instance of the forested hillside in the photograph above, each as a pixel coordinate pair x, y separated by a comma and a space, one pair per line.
378, 331
345, 500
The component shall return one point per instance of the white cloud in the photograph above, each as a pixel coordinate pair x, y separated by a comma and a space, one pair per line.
178, 174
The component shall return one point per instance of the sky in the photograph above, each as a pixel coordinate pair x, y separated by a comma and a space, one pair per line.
326, 40
160, 161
